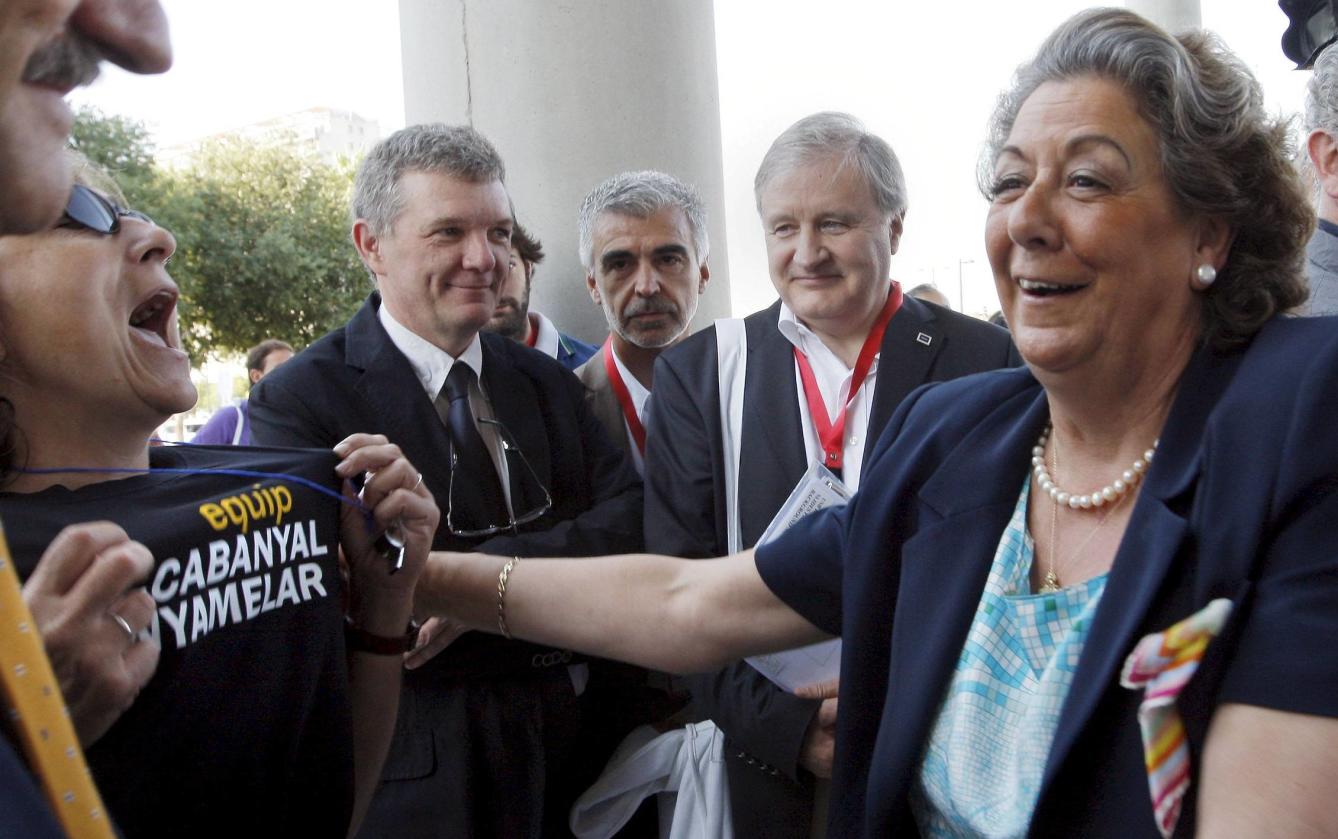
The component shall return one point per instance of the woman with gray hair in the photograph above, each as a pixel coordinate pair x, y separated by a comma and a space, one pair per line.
1096, 596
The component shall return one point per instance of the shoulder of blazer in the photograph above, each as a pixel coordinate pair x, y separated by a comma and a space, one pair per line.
547, 373
592, 373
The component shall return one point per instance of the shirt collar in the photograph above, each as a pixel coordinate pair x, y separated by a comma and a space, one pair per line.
635, 389
546, 335
808, 342
430, 363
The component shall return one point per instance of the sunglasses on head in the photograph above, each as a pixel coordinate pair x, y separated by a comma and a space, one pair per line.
89, 210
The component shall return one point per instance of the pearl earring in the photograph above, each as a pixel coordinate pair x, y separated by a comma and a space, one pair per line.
1206, 274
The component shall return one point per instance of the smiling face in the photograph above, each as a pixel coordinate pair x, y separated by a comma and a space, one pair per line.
829, 246
646, 275
88, 329
48, 47
442, 262
1092, 258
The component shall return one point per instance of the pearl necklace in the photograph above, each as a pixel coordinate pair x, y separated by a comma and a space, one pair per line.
1107, 494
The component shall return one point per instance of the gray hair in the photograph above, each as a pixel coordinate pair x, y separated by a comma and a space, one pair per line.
641, 195
1321, 94
455, 150
831, 135
1222, 156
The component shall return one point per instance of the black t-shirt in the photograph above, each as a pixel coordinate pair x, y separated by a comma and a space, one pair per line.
245, 728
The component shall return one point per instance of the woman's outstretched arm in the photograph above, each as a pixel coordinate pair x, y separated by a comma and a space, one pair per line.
675, 615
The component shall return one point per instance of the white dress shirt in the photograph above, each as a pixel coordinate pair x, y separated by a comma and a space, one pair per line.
833, 377
546, 335
431, 364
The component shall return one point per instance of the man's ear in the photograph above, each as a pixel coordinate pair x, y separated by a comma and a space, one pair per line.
368, 245
1323, 150
706, 275
256, 375
894, 229
594, 289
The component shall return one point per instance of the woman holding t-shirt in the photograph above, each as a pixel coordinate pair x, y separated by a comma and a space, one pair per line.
278, 680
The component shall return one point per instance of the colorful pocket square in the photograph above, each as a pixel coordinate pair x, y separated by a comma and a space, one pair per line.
1162, 664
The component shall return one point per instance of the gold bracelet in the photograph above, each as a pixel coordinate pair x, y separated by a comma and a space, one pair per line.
501, 595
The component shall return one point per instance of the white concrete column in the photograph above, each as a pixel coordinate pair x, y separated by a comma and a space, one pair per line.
1174, 16
571, 93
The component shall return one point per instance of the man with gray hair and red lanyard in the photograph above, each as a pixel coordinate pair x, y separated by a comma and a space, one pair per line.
644, 246
824, 369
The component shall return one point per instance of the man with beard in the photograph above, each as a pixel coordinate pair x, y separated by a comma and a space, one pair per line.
644, 247
47, 48
513, 318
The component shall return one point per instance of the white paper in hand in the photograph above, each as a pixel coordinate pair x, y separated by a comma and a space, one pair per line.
820, 662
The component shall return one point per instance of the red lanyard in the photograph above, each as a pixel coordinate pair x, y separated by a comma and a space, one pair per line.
831, 432
624, 398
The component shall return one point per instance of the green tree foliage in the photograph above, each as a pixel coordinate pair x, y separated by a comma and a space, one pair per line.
121, 146
262, 238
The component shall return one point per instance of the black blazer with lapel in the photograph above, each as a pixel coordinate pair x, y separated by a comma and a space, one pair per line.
1241, 502
356, 380
685, 510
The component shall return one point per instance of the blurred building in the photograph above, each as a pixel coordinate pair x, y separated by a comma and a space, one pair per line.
327, 133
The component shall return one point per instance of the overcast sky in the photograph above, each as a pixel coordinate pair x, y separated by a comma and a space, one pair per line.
922, 75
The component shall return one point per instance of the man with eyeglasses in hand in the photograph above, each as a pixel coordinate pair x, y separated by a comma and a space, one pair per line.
47, 48
486, 743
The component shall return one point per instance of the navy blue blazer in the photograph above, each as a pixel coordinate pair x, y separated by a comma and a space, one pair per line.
1240, 502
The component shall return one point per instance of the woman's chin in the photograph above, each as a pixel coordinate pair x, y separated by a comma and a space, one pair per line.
178, 400
1051, 350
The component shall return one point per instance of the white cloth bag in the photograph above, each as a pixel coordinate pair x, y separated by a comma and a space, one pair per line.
685, 767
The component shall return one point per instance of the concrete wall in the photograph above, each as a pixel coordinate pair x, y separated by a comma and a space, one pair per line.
1172, 15
571, 92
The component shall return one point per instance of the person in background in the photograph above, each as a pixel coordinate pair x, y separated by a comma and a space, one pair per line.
1321, 121
1096, 596
644, 246
515, 319
231, 426
929, 293
839, 351
489, 737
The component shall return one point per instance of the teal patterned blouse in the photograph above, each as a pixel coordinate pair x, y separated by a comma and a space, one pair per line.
982, 768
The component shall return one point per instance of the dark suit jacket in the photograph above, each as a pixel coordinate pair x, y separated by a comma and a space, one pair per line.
1241, 502
685, 510
473, 723
603, 401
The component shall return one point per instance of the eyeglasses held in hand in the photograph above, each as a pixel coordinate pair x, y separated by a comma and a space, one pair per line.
514, 521
89, 210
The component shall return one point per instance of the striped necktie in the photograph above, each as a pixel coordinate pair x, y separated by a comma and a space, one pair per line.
39, 716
